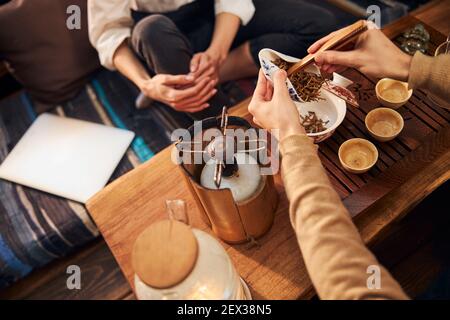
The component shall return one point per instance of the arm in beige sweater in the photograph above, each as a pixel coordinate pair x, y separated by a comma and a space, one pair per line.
431, 73
335, 256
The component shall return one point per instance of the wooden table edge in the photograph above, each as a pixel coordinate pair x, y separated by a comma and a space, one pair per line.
434, 172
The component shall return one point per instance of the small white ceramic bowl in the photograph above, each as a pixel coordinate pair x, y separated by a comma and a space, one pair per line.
331, 110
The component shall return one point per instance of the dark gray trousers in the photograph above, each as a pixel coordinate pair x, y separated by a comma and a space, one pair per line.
166, 43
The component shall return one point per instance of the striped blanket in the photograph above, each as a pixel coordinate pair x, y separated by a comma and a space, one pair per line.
36, 227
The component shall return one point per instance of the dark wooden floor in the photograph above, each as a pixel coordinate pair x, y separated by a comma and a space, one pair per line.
415, 250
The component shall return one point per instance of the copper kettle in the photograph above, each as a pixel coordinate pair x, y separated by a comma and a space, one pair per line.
232, 218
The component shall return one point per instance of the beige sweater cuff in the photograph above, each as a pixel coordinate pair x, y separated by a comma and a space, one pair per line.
431, 73
420, 70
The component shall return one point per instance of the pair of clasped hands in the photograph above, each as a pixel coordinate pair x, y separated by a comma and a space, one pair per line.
191, 92
373, 54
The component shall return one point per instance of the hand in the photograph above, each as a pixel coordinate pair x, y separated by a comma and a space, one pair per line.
181, 92
206, 64
273, 109
373, 54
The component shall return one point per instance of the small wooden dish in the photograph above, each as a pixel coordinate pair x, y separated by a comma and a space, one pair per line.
393, 93
384, 124
358, 155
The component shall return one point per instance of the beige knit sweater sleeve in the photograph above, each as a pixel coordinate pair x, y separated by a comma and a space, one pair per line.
432, 74
335, 256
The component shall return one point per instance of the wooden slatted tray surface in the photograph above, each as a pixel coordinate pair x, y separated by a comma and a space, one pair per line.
422, 118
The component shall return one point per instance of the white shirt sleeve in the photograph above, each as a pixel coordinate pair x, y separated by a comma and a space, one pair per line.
244, 9
109, 23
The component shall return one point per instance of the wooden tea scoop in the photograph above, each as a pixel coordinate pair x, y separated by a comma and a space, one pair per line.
339, 40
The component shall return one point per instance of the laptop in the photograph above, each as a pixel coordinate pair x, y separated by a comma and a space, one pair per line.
66, 157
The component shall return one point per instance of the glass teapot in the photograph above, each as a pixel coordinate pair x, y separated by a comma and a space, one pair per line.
173, 261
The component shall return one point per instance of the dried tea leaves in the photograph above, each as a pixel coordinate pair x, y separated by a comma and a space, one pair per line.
312, 123
280, 63
306, 84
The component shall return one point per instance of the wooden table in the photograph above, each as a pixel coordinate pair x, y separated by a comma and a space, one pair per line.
410, 167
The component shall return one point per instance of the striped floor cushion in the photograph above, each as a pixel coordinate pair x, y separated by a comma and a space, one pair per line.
36, 227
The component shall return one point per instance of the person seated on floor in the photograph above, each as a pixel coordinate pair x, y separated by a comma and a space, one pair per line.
50, 60
177, 51
335, 256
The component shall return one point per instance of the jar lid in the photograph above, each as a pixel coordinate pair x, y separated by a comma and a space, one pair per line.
164, 254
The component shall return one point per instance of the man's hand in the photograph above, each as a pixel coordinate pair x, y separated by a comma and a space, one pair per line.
206, 64
374, 55
273, 109
181, 92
